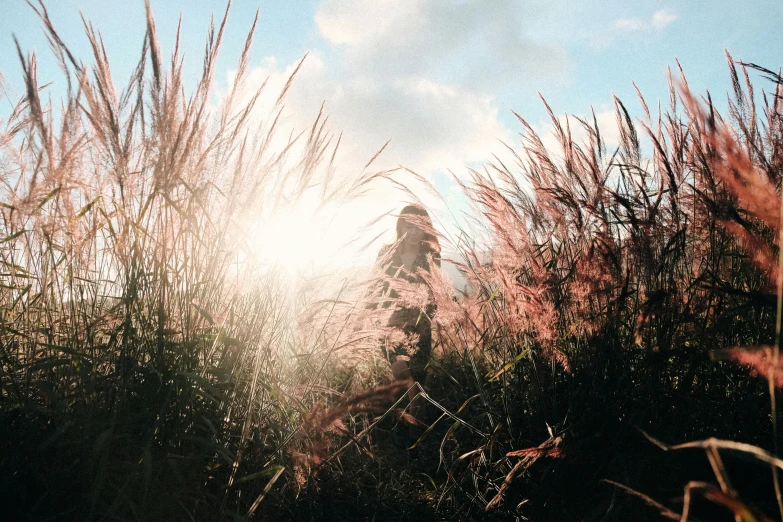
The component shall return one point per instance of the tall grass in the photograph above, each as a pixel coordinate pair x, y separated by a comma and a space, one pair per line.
614, 281
607, 310
148, 349
155, 367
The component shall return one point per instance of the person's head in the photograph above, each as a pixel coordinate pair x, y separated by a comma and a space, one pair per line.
414, 227
411, 222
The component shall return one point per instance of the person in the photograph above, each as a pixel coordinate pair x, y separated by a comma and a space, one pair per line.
405, 264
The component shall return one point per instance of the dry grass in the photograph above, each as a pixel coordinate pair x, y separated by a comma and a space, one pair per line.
153, 367
614, 275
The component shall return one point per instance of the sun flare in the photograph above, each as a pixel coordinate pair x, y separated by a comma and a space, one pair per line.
304, 237
288, 238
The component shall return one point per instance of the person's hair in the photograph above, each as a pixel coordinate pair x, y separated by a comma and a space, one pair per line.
414, 210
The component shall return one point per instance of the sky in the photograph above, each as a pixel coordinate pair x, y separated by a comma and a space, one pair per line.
439, 78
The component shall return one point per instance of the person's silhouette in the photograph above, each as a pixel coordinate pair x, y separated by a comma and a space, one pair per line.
415, 252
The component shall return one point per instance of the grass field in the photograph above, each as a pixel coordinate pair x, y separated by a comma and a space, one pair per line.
615, 355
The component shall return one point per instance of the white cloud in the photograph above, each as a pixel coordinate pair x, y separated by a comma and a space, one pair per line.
483, 45
431, 125
422, 73
663, 18
659, 20
358, 22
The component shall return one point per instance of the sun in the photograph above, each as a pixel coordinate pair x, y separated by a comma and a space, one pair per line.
285, 239
307, 237
289, 239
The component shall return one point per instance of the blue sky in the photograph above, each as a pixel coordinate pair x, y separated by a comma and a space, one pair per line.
437, 77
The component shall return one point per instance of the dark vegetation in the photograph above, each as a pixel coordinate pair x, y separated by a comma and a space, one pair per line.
629, 299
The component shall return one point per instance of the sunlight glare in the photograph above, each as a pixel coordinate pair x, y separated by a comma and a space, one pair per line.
288, 238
